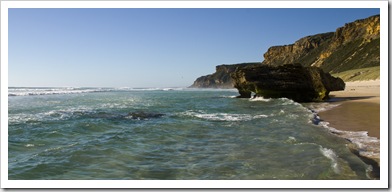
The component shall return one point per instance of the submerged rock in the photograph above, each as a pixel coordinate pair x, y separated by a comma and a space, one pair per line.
135, 115
293, 81
141, 115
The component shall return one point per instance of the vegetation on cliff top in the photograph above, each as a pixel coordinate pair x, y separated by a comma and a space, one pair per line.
354, 46
363, 74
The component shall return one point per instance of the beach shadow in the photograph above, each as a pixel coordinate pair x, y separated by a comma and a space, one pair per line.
337, 99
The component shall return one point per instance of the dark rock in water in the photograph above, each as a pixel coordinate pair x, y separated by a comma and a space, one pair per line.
293, 81
136, 115
141, 115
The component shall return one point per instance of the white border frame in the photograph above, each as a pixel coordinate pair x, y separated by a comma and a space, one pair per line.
382, 183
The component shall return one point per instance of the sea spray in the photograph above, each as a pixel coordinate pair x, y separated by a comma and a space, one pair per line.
260, 99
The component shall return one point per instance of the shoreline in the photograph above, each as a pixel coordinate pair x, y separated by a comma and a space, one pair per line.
355, 116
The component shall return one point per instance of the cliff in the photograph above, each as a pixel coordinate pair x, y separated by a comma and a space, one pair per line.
280, 55
355, 45
221, 78
301, 84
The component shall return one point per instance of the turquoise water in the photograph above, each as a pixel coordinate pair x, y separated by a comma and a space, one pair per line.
113, 134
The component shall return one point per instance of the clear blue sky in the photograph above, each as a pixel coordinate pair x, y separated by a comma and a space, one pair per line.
151, 47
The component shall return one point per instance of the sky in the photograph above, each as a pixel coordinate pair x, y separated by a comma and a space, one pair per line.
151, 47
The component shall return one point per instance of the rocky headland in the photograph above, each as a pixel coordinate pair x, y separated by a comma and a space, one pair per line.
352, 47
221, 78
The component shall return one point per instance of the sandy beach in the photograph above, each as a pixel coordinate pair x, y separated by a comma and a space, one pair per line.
358, 110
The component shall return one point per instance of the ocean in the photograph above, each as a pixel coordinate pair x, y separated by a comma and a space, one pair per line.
170, 134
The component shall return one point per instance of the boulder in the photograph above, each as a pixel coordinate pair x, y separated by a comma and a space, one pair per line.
293, 81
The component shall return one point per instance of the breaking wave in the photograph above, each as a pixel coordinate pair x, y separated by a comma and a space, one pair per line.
74, 113
260, 99
320, 107
76, 90
52, 91
366, 145
330, 154
221, 116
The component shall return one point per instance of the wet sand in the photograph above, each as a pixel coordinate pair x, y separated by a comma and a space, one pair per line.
358, 110
355, 116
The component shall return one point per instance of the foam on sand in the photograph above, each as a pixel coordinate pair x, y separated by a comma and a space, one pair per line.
366, 146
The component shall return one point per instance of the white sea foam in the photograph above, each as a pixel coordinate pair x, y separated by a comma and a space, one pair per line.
293, 116
291, 140
78, 90
287, 101
367, 146
173, 89
52, 91
60, 147
222, 116
259, 116
319, 107
330, 154
231, 96
115, 105
47, 116
260, 99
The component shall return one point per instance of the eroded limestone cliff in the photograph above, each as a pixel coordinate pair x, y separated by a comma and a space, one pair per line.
355, 45
280, 55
